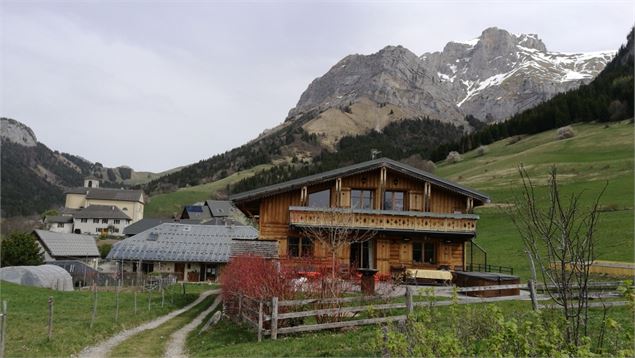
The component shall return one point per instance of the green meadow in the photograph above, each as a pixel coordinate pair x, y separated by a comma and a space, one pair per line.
599, 155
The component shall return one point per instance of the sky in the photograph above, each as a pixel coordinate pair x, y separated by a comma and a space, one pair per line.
159, 84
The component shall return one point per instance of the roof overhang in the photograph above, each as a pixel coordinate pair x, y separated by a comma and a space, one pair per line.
353, 169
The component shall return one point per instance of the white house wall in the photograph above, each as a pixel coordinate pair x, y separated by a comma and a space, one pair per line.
91, 228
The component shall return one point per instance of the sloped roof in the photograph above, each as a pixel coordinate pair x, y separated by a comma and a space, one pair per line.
197, 212
59, 219
182, 243
77, 190
143, 225
101, 212
62, 244
220, 208
114, 194
356, 168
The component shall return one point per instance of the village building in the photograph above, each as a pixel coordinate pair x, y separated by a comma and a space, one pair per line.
59, 223
100, 220
131, 202
420, 221
66, 246
191, 252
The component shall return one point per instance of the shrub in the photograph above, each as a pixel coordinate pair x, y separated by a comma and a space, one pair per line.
104, 250
453, 157
480, 151
565, 132
257, 278
20, 249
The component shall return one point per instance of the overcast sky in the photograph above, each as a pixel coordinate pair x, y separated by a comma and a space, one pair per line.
155, 85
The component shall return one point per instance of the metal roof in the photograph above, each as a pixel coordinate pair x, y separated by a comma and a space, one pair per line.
220, 208
59, 219
101, 212
114, 194
143, 225
182, 243
353, 169
72, 245
196, 212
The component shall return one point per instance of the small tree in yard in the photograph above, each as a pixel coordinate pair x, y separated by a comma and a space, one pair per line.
21, 249
335, 229
559, 239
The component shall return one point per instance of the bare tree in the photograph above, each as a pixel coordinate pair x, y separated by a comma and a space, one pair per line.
558, 235
336, 228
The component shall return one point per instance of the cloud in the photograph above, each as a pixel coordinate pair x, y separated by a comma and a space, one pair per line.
156, 86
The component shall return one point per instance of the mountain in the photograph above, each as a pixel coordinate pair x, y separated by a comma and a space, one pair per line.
34, 177
363, 95
607, 98
491, 78
499, 74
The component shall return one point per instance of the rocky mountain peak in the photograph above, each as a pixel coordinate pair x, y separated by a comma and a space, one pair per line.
490, 77
17, 132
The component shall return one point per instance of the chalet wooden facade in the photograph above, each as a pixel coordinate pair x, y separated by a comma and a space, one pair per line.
419, 220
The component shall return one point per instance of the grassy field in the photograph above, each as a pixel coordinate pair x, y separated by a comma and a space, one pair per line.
598, 155
28, 312
152, 343
169, 204
228, 339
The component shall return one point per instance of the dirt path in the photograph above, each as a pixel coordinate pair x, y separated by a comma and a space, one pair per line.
102, 349
176, 345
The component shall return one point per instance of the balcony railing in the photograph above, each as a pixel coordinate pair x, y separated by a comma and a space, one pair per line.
383, 220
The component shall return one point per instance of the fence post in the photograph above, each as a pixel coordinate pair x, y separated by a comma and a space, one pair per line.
135, 301
149, 298
409, 305
240, 307
274, 318
92, 318
532, 293
260, 319
3, 327
117, 302
162, 297
50, 317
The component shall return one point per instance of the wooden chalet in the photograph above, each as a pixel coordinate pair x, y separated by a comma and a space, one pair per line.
419, 220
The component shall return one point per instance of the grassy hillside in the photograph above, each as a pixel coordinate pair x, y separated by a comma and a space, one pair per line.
28, 312
166, 205
597, 155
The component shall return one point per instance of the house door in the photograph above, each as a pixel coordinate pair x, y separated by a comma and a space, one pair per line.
179, 269
362, 255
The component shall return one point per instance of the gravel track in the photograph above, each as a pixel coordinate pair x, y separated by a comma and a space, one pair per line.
102, 349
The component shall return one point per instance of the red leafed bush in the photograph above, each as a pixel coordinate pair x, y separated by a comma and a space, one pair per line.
256, 277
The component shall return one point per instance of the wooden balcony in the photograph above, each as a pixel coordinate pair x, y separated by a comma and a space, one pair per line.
383, 220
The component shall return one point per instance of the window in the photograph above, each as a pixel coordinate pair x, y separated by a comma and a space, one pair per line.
97, 230
115, 230
95, 221
320, 199
362, 199
60, 224
423, 252
84, 220
125, 209
117, 221
104, 221
393, 200
299, 247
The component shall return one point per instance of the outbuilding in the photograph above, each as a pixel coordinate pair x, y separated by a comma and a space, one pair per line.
191, 252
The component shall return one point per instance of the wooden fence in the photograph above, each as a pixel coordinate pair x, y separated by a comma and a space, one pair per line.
274, 317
